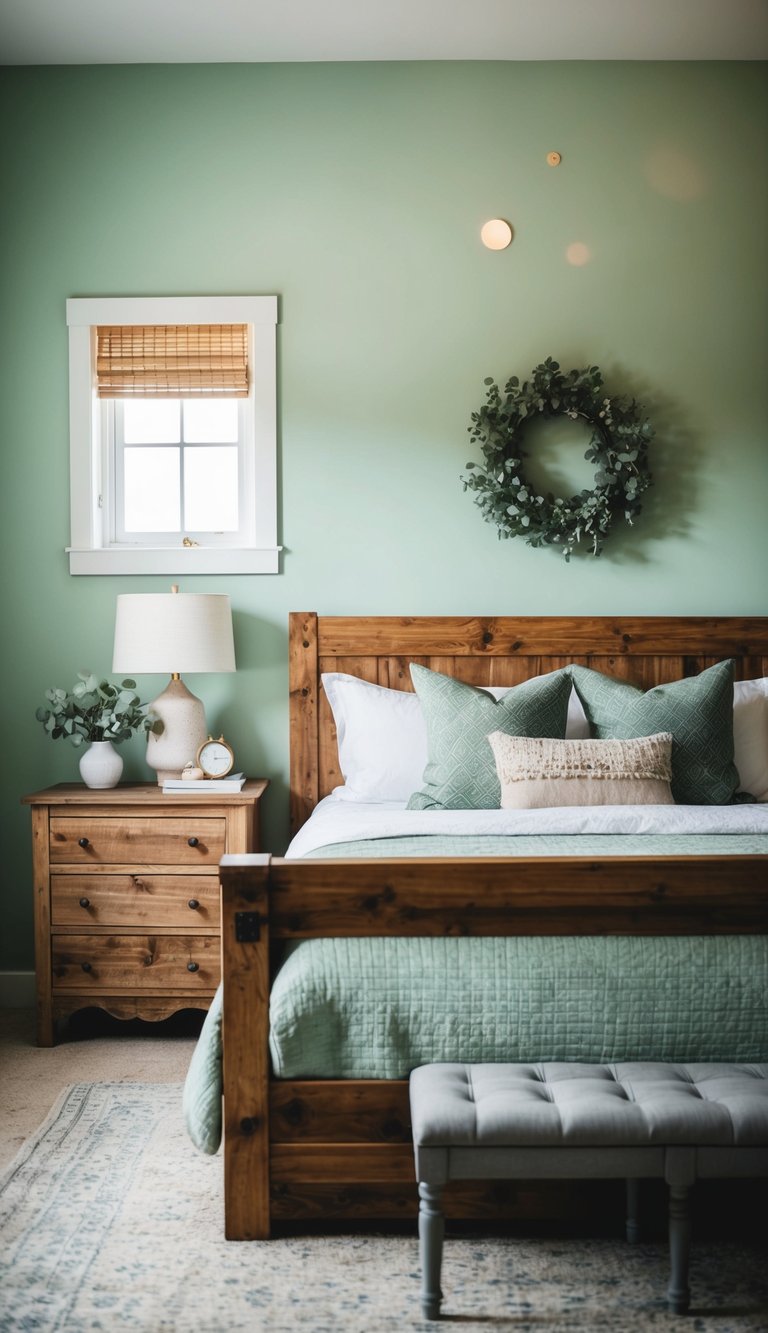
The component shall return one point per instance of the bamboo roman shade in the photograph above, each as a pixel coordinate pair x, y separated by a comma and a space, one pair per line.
172, 360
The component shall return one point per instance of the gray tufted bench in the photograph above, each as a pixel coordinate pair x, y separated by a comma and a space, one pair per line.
676, 1122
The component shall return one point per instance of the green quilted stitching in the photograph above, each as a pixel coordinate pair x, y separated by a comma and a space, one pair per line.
550, 844
698, 712
376, 1008
201, 1098
461, 772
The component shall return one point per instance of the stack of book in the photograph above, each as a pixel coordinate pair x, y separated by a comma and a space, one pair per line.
232, 782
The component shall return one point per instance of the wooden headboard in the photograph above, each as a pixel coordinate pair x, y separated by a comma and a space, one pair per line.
497, 650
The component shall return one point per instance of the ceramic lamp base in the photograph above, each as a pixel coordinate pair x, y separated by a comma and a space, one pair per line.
184, 730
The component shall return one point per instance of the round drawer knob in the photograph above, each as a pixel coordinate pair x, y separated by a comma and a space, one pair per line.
193, 904
84, 902
193, 967
83, 842
87, 967
193, 841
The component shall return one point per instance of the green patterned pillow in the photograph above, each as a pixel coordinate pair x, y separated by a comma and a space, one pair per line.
698, 712
461, 771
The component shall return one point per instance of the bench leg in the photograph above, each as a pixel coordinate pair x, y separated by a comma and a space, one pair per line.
633, 1208
679, 1293
431, 1233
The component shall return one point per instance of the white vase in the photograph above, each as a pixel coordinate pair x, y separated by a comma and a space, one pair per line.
101, 765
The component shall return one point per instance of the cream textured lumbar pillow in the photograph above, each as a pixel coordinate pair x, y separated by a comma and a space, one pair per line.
535, 772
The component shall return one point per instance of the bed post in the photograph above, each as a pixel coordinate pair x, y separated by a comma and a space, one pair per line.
245, 969
303, 685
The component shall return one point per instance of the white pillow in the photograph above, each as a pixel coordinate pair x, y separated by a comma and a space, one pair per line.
750, 735
382, 737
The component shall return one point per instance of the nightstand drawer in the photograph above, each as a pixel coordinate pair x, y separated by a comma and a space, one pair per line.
135, 962
150, 901
114, 873
187, 841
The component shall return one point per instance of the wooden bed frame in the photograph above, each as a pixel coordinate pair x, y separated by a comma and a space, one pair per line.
303, 1150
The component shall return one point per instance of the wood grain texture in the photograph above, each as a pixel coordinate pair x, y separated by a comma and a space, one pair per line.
424, 896
125, 933
136, 900
339, 1110
246, 1042
304, 687
196, 841
457, 636
149, 1008
301, 1202
134, 963
499, 651
342, 1163
40, 863
143, 798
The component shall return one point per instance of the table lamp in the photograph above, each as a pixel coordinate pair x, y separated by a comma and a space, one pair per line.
174, 632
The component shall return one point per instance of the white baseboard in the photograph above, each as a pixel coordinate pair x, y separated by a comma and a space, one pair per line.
17, 990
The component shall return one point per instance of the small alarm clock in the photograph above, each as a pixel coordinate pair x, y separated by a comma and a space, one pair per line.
215, 757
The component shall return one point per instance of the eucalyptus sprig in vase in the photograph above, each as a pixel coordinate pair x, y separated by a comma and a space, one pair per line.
103, 714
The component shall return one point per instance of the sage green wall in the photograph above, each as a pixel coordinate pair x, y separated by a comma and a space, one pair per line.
356, 192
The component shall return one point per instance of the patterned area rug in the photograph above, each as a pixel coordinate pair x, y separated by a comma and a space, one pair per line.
111, 1220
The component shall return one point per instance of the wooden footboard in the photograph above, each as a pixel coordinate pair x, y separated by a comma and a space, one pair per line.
317, 1148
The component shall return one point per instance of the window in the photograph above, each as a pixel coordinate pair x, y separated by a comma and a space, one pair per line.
177, 469
173, 435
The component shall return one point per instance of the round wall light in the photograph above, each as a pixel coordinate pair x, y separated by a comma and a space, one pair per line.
496, 234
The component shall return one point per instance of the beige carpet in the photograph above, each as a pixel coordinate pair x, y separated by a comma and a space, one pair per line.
94, 1049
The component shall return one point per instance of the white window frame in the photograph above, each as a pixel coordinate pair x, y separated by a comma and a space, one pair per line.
91, 549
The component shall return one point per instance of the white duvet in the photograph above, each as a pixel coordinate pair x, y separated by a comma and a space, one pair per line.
338, 820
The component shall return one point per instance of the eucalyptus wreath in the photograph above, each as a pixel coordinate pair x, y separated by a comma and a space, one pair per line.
618, 447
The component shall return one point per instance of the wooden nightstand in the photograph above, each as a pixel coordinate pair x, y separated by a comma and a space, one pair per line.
127, 896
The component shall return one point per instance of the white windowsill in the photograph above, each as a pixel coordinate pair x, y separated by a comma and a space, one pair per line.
174, 560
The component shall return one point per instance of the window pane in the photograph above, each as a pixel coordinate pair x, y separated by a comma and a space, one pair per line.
152, 490
210, 420
210, 490
151, 420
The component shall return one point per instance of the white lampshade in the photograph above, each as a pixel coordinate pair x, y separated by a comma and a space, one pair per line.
174, 632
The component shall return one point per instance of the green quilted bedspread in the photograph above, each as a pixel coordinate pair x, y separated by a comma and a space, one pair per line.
554, 844
376, 1008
